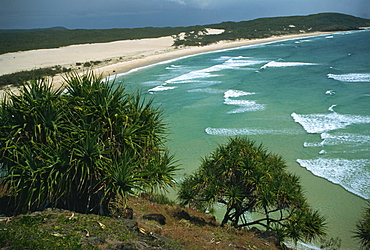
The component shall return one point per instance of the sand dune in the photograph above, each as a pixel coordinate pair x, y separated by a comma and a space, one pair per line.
117, 57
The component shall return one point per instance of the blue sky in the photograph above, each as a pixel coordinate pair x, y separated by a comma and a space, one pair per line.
74, 14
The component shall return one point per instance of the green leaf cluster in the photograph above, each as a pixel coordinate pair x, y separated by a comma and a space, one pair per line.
83, 147
362, 232
249, 181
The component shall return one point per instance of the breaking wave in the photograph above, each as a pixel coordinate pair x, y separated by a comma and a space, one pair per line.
160, 88
244, 105
230, 63
342, 172
248, 131
351, 77
275, 64
320, 123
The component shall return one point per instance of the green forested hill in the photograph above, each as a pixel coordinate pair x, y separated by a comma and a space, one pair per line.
316, 22
18, 40
277, 26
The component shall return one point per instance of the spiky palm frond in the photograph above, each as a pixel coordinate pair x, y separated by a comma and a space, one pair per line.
362, 232
159, 170
246, 178
81, 148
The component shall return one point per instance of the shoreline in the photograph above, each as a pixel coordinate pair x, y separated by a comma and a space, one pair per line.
119, 57
176, 53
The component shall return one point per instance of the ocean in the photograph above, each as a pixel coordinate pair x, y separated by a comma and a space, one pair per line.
307, 99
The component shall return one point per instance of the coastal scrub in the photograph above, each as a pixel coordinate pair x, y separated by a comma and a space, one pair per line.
247, 180
80, 148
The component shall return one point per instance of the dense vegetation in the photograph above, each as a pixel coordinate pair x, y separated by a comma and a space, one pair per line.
362, 232
18, 78
82, 149
276, 26
18, 40
247, 180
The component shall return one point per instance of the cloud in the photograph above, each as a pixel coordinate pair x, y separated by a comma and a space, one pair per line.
179, 2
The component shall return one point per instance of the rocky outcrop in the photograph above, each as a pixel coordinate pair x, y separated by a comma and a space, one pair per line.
156, 217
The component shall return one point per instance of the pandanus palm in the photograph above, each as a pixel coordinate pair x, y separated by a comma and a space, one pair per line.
246, 179
362, 232
81, 148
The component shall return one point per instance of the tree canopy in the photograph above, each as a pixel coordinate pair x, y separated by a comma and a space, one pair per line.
255, 189
82, 147
362, 232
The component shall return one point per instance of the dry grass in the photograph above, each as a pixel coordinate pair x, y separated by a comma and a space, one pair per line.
185, 228
198, 231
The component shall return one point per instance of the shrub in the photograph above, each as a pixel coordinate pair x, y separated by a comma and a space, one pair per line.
363, 229
246, 179
82, 149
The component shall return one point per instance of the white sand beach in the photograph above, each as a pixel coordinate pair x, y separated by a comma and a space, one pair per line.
116, 57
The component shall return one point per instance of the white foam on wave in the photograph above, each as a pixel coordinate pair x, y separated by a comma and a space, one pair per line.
247, 131
331, 108
206, 90
223, 58
330, 92
236, 93
231, 63
275, 64
351, 77
303, 41
173, 67
160, 88
197, 74
334, 139
312, 144
244, 105
320, 123
237, 62
344, 138
306, 41
353, 175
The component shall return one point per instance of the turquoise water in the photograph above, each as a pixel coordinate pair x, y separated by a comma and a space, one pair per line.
306, 99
